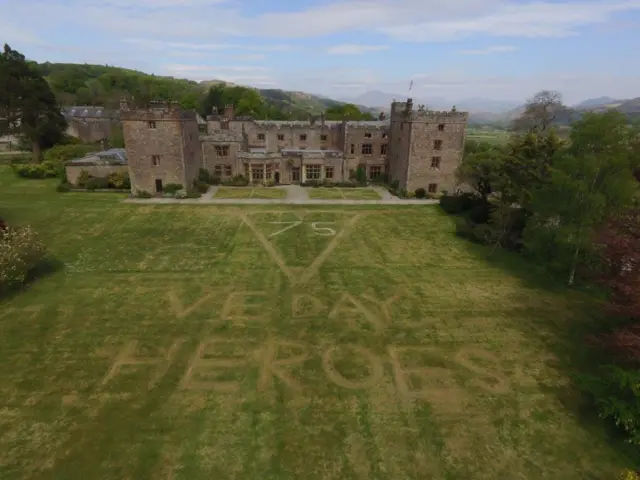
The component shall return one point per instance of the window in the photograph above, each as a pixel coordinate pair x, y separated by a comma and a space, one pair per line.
435, 162
269, 172
383, 149
312, 172
385, 135
152, 125
441, 127
303, 137
280, 137
155, 159
375, 171
323, 138
295, 174
367, 134
227, 171
257, 172
328, 173
353, 148
433, 188
437, 144
367, 149
217, 170
222, 150
261, 136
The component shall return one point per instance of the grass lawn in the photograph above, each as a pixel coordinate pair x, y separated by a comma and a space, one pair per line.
498, 137
249, 192
206, 342
334, 193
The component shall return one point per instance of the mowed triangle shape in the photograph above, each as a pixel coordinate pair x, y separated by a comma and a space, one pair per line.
300, 242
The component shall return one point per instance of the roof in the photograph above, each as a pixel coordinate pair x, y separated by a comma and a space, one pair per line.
86, 111
113, 156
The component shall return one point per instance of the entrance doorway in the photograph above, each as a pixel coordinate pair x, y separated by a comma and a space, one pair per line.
277, 178
158, 185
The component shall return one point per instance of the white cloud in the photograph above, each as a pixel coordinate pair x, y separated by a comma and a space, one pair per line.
490, 50
354, 49
408, 20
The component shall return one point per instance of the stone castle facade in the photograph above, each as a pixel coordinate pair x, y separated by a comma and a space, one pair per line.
418, 148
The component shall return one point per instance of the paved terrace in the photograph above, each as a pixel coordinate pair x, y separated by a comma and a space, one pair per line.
296, 195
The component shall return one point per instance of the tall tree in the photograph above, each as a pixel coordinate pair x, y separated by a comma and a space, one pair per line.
590, 181
540, 112
28, 107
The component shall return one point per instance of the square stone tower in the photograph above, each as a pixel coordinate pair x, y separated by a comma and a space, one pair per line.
425, 147
163, 145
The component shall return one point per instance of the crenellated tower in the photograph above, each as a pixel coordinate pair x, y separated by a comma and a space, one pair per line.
425, 146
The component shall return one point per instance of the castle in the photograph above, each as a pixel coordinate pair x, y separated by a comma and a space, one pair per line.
416, 147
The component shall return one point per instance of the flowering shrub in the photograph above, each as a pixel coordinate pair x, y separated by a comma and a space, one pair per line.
20, 252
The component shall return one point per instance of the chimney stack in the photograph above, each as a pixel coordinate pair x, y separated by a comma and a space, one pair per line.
228, 112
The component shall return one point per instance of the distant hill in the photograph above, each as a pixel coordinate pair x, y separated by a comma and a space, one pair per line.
594, 102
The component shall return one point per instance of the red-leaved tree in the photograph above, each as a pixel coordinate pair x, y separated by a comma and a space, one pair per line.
619, 243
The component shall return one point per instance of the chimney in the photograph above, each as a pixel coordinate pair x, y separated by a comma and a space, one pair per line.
228, 112
409, 105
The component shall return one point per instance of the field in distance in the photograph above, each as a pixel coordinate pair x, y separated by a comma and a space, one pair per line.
197, 342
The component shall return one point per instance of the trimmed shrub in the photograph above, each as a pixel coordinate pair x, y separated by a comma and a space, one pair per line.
20, 252
172, 188
204, 176
239, 181
193, 194
180, 194
36, 170
83, 178
119, 180
215, 180
421, 193
97, 183
63, 187
200, 186
143, 194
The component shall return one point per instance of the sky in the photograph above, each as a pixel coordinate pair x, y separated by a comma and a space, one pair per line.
454, 49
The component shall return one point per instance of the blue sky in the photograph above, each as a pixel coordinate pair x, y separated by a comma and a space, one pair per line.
456, 49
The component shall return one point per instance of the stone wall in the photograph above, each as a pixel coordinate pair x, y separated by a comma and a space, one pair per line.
192, 151
74, 171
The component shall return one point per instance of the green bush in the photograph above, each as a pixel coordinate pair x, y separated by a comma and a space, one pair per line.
239, 181
269, 183
97, 183
20, 252
63, 187
361, 176
421, 193
83, 178
200, 186
143, 194
455, 204
346, 184
36, 170
119, 180
172, 188
215, 180
193, 194
616, 393
60, 154
204, 176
